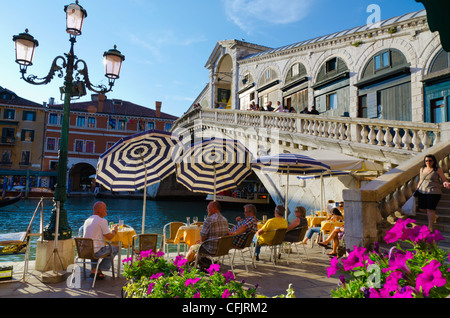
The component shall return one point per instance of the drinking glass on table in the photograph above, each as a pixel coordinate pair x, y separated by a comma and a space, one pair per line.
195, 219
188, 219
120, 224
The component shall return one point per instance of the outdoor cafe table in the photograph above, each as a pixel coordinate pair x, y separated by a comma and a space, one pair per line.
314, 221
123, 239
329, 226
188, 234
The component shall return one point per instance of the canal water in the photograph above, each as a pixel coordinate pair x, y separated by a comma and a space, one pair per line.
16, 217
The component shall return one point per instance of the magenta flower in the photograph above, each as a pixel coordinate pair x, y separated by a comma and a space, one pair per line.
399, 262
334, 267
228, 277
191, 281
196, 295
405, 292
226, 293
400, 231
356, 258
373, 293
431, 277
150, 288
180, 261
213, 268
156, 276
392, 283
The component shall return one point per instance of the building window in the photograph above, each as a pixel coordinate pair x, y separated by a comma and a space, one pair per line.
27, 135
382, 60
51, 144
109, 144
90, 146
112, 123
437, 110
25, 158
141, 126
9, 114
53, 165
151, 125
79, 145
362, 111
295, 70
81, 121
53, 119
331, 101
167, 127
29, 115
8, 136
331, 65
6, 157
91, 122
122, 124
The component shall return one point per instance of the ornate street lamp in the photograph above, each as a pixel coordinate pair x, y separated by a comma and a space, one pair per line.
25, 46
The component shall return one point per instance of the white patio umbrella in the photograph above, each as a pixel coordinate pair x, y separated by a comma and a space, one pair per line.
287, 164
214, 165
138, 161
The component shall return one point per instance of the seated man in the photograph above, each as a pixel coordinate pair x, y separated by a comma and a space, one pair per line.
244, 226
267, 233
214, 226
96, 228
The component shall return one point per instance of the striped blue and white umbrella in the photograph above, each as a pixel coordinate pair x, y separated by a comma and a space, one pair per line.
288, 163
138, 161
214, 165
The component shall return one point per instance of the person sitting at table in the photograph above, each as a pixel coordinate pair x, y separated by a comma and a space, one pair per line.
335, 216
214, 226
96, 228
341, 207
334, 236
294, 228
267, 232
244, 226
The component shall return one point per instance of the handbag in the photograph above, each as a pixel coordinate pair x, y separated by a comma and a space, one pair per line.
409, 208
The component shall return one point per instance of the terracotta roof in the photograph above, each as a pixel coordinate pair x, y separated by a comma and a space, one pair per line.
115, 107
16, 100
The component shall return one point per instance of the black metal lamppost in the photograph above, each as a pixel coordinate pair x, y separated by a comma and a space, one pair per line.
25, 45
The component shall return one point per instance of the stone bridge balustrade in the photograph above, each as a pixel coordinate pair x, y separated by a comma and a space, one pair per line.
410, 136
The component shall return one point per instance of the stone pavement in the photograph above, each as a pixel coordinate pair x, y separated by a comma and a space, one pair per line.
307, 276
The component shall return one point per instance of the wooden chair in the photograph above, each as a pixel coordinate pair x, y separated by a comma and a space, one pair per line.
224, 246
247, 248
85, 251
299, 239
145, 242
167, 240
276, 242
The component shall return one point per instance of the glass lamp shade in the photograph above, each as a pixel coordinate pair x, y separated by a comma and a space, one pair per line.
113, 63
25, 47
75, 15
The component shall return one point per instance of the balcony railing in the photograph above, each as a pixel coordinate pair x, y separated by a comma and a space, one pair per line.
7, 140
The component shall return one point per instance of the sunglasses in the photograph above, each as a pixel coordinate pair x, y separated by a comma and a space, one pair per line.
429, 160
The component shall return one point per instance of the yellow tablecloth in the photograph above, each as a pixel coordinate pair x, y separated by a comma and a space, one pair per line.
328, 226
125, 236
314, 221
188, 234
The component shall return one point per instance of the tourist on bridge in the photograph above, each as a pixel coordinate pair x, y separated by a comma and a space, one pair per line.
429, 189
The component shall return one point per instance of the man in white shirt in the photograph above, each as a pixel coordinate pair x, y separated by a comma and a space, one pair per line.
96, 228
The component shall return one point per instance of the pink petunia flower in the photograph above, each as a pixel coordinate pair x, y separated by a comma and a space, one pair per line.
334, 267
356, 258
150, 288
399, 262
405, 292
213, 268
226, 293
191, 281
431, 277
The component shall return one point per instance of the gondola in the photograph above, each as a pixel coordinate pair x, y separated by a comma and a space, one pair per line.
8, 201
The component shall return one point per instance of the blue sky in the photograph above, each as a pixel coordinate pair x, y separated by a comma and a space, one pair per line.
167, 43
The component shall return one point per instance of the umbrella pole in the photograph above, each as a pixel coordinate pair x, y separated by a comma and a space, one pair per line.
286, 195
214, 182
145, 197
321, 192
